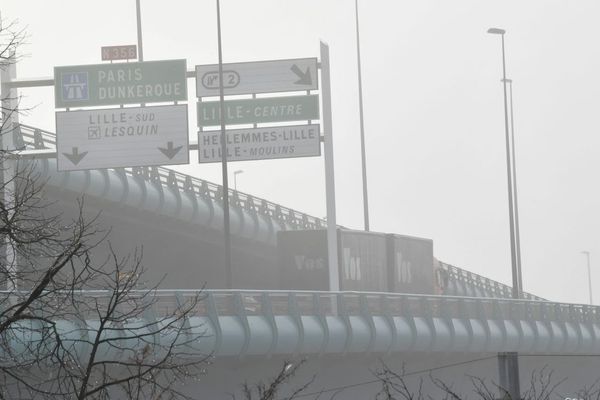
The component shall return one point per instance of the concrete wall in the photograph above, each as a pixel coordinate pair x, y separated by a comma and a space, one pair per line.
181, 255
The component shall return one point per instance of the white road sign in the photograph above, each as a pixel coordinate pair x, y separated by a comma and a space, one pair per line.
122, 137
258, 77
261, 143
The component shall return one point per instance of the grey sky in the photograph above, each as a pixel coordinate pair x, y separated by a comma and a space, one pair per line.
433, 113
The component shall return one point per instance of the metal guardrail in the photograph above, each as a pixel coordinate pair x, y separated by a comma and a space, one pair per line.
486, 285
28, 137
317, 303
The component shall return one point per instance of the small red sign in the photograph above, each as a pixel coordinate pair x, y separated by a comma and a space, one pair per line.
110, 53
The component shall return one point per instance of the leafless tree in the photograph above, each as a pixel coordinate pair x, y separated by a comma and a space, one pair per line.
270, 390
395, 386
76, 320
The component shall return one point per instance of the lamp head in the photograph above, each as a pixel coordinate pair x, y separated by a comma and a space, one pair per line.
496, 31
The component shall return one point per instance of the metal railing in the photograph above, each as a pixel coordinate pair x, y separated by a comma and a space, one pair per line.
494, 288
28, 137
271, 303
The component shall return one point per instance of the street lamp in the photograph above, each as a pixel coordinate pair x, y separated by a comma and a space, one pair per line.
225, 177
362, 125
508, 363
515, 273
235, 174
587, 253
496, 31
514, 176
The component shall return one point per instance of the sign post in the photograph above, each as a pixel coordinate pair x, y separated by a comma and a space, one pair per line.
334, 273
138, 14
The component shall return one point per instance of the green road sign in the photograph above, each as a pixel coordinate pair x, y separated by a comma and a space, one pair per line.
256, 111
120, 83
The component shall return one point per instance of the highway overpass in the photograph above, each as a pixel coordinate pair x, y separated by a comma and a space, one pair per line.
343, 335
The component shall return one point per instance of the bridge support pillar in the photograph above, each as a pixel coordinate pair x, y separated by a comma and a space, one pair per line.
508, 370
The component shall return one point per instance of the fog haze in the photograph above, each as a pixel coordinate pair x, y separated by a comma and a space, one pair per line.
433, 113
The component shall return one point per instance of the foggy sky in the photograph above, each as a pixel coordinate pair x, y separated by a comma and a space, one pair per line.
433, 113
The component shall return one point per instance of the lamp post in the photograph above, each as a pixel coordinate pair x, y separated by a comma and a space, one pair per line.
362, 126
508, 363
515, 274
516, 197
587, 254
235, 174
226, 226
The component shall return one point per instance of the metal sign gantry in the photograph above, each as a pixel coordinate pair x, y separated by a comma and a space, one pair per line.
113, 129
